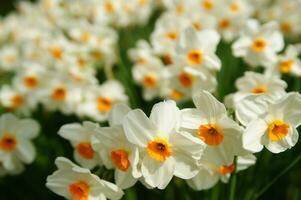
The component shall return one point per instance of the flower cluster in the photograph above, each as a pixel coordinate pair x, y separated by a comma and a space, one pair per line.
181, 55
16, 146
55, 62
65, 62
197, 144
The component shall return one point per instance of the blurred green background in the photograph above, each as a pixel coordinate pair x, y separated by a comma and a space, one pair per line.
30, 185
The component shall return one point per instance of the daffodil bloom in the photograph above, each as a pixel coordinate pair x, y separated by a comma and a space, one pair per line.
276, 127
210, 174
287, 63
74, 182
99, 100
16, 146
209, 123
259, 45
253, 83
149, 76
164, 150
80, 138
197, 49
115, 150
181, 82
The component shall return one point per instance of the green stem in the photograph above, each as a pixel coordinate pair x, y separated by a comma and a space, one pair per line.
232, 187
263, 190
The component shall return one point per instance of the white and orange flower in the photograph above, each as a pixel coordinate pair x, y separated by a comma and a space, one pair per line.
74, 182
115, 150
80, 137
164, 151
16, 146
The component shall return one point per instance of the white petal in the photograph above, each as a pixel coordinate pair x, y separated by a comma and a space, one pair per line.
185, 166
138, 128
203, 180
208, 105
117, 113
252, 135
27, 128
124, 179
157, 174
25, 151
165, 115
191, 118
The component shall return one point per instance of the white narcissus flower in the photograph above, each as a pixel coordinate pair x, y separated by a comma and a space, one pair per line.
208, 122
164, 150
99, 100
182, 82
149, 76
16, 147
197, 49
167, 31
253, 83
115, 150
15, 100
259, 45
80, 138
276, 127
142, 53
209, 174
288, 63
74, 182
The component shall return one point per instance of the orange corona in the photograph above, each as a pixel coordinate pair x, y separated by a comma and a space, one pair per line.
85, 150
277, 130
210, 134
79, 190
159, 149
120, 159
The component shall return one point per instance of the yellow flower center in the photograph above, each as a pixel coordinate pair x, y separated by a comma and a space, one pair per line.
85, 37
277, 130
224, 24
8, 142
140, 61
172, 35
176, 95
259, 45
59, 94
210, 134
234, 7
167, 60
224, 169
96, 55
104, 104
286, 27
197, 26
195, 57
16, 101
159, 149
120, 159
57, 53
79, 190
186, 79
286, 66
30, 82
85, 150
207, 5
260, 90
150, 81
109, 8
180, 9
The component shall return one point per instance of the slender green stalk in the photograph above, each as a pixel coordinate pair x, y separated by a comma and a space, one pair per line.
263, 190
232, 187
